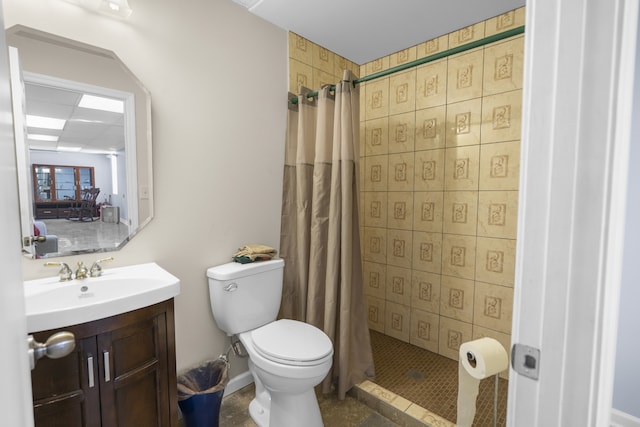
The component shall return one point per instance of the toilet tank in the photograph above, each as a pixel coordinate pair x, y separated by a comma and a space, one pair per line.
245, 296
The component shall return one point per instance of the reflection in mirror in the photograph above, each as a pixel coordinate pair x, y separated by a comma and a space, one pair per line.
83, 145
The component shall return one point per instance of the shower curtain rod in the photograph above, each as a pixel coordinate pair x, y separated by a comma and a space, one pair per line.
434, 57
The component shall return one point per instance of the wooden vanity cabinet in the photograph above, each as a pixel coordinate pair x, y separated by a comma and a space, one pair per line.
122, 373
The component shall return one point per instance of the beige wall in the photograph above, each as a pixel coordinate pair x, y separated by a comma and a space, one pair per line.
440, 171
217, 78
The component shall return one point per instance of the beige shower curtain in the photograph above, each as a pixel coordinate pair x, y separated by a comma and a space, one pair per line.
320, 234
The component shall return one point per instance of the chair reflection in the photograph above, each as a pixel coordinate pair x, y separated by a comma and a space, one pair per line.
86, 209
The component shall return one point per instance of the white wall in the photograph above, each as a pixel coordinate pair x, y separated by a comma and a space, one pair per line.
218, 82
627, 376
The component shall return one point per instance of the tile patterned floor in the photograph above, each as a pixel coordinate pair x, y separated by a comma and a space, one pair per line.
430, 381
413, 388
350, 412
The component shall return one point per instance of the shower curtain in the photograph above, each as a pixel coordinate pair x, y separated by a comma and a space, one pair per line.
320, 233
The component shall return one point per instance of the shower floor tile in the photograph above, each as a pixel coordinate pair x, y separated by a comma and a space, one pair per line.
431, 381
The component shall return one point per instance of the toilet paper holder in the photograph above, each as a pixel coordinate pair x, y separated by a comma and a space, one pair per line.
472, 359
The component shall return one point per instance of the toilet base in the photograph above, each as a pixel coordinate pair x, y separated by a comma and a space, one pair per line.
295, 410
287, 410
259, 413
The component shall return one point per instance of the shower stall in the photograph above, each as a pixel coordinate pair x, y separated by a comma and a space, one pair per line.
439, 175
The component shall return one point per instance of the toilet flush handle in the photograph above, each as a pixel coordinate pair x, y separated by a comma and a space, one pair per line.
230, 287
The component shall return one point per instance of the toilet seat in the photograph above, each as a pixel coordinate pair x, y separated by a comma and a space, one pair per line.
291, 342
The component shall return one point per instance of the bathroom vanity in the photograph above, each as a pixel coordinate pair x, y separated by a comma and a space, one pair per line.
121, 373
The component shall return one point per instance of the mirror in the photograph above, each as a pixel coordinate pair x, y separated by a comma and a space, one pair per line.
85, 177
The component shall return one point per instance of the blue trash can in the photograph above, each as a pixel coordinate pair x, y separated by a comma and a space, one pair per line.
200, 392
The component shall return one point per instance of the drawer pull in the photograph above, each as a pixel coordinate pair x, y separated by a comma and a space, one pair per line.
107, 373
90, 371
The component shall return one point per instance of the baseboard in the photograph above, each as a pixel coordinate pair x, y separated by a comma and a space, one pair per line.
622, 419
238, 382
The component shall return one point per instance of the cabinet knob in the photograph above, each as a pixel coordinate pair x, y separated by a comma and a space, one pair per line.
57, 346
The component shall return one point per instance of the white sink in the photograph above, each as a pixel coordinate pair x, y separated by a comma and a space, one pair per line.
53, 304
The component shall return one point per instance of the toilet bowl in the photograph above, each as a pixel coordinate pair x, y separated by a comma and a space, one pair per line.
287, 358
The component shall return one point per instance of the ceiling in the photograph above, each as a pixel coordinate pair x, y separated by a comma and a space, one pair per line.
364, 30
94, 131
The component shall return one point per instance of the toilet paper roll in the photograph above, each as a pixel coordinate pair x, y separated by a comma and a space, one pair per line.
483, 357
478, 360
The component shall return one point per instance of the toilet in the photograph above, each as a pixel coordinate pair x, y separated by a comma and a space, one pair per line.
287, 358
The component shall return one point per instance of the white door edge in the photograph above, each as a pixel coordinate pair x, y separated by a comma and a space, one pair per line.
576, 100
15, 394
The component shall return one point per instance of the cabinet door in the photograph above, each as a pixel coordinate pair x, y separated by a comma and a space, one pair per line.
65, 181
121, 374
134, 374
85, 178
42, 183
62, 392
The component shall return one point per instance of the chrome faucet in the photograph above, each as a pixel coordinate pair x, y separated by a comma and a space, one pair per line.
96, 268
65, 272
82, 271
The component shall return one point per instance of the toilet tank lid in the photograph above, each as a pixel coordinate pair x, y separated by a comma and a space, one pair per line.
235, 270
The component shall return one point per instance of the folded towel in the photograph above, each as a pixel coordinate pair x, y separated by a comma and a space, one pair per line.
254, 252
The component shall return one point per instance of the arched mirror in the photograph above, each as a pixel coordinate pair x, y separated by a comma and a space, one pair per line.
83, 145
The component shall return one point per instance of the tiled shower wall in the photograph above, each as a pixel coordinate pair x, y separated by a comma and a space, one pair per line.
439, 183
313, 66
440, 173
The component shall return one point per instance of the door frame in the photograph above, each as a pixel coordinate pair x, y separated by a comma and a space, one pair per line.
129, 115
15, 397
576, 122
